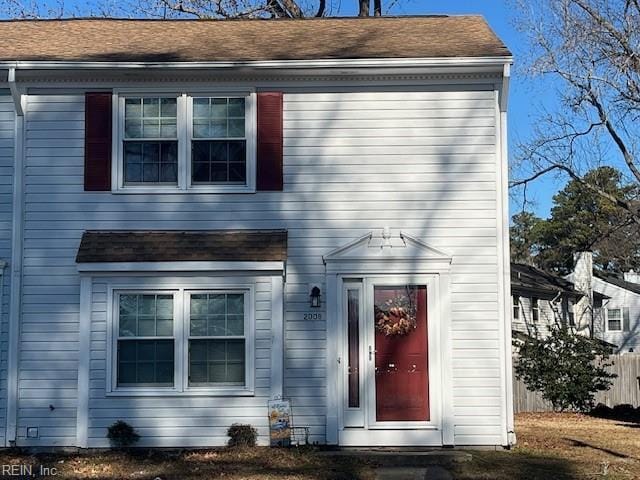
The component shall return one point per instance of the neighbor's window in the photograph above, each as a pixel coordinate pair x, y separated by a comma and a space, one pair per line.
218, 143
614, 319
516, 307
150, 144
177, 142
217, 338
535, 309
145, 349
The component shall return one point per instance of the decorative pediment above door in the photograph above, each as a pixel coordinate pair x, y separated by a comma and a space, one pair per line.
387, 251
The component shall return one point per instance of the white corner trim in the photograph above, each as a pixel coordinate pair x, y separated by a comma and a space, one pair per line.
15, 301
444, 316
277, 337
124, 267
504, 92
504, 269
15, 92
84, 341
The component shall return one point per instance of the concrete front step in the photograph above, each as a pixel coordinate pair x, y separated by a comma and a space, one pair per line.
404, 458
403, 473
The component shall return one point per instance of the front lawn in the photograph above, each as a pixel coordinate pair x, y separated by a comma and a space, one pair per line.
562, 446
550, 446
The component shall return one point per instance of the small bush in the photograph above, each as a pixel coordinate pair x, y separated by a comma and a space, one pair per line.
121, 434
567, 369
242, 435
625, 411
601, 411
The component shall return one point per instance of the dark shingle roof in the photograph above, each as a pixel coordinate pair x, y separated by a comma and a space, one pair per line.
248, 40
526, 277
179, 246
618, 282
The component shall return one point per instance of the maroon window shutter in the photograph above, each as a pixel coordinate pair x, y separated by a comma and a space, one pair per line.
269, 149
97, 142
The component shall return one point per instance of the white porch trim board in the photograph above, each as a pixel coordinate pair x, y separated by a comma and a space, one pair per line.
84, 360
277, 336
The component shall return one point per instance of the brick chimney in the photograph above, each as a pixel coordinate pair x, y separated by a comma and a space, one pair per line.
583, 282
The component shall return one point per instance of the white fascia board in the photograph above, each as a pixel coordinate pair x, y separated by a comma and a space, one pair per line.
179, 266
492, 63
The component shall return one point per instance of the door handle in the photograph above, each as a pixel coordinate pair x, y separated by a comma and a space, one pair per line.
370, 353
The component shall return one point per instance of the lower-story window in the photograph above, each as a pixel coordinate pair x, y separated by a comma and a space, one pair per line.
216, 338
145, 340
182, 340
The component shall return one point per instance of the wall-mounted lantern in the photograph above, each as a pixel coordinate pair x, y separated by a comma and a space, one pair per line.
314, 297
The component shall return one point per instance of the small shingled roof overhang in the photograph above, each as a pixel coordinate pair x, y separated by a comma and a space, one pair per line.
183, 246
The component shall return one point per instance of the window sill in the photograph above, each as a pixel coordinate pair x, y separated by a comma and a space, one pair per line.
185, 191
205, 392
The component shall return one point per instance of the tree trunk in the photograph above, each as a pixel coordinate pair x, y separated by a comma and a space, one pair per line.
364, 8
377, 8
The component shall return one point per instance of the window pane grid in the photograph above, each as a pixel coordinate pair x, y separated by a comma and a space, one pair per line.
145, 362
145, 344
614, 319
218, 145
145, 315
150, 144
219, 361
218, 118
216, 315
151, 118
216, 339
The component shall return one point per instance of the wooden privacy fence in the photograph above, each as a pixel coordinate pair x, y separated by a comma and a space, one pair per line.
625, 388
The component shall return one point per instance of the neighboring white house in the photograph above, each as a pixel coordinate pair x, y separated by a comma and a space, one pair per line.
615, 316
210, 214
540, 300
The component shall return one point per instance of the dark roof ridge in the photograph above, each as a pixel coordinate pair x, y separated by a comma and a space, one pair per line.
256, 19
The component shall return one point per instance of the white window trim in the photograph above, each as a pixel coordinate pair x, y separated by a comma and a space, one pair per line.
185, 125
180, 337
619, 309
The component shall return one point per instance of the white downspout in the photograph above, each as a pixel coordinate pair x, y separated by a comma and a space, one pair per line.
16, 263
506, 257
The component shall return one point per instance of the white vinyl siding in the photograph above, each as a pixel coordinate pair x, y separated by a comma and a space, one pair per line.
417, 158
7, 133
547, 317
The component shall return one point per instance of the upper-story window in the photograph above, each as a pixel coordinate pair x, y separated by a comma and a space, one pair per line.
150, 143
178, 142
218, 143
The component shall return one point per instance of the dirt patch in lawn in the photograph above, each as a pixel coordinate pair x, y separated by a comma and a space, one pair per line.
562, 446
256, 463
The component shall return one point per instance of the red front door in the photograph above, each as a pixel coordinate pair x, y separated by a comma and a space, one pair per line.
401, 366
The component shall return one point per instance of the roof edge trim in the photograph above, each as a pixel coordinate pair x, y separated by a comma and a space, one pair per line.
498, 61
